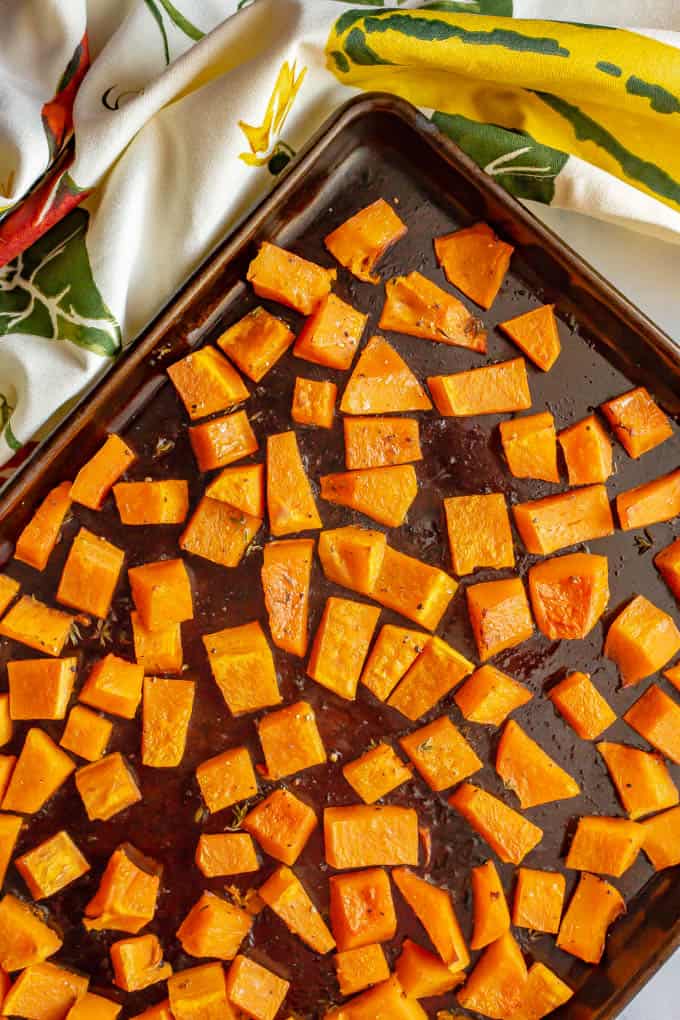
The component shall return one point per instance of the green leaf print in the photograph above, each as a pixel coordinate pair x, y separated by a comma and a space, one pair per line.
177, 18
49, 291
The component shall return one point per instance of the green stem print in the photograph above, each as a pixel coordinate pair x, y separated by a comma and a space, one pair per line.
156, 7
6, 409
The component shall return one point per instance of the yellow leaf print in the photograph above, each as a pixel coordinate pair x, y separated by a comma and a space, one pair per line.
263, 139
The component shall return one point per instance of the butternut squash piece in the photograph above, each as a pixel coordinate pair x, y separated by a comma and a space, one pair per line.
228, 853
39, 772
361, 908
227, 779
6, 724
341, 645
222, 441
39, 626
490, 907
418, 307
282, 825
314, 402
382, 382
499, 615
587, 452
255, 989
352, 557
9, 589
496, 986
569, 594
51, 866
207, 383
642, 780
127, 893
656, 717
90, 574
417, 590
148, 502
286, 578
214, 927
529, 772
157, 651
667, 562
641, 639
535, 333
436, 671
115, 686
605, 846
39, 537
489, 696
5, 983
197, 993
422, 974
650, 503
380, 442
385, 494
475, 260
376, 773
331, 335
219, 533
357, 969
492, 389
543, 993
286, 896
661, 839
138, 963
97, 477
363, 239
25, 938
579, 702
539, 898
593, 908
96, 1007
385, 1000
40, 688
673, 676
10, 827
107, 787
7, 763
240, 487
256, 342
434, 909
243, 667
365, 836
508, 834
530, 446
393, 652
441, 754
290, 740
479, 532
45, 991
290, 501
280, 275
166, 713
162, 593
569, 518
637, 421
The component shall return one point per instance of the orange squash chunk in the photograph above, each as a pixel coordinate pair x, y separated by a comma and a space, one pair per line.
290, 501
6, 724
256, 342
5, 982
667, 562
593, 908
127, 893
543, 993
490, 907
535, 333
365, 836
198, 993
243, 667
496, 986
479, 532
314, 402
282, 825
569, 518
25, 938
206, 383
341, 645
489, 696
380, 442
393, 652
434, 909
364, 238
9, 589
418, 307
441, 754
107, 787
162, 593
376, 773
417, 590
387, 999
138, 963
361, 908
86, 733
222, 441
40, 770
569, 594
529, 772
422, 974
499, 615
579, 702
357, 969
96, 1007
290, 740
115, 686
656, 717
227, 779
255, 989
650, 503
40, 688
661, 839
241, 487
157, 651
384, 494
39, 537
492, 389
10, 827
166, 713
90, 574
286, 576
352, 557
279, 275
508, 834
673, 676
7, 763
45, 991
219, 533
587, 452
39, 626
229, 853
605, 846
638, 422
331, 335
475, 260
382, 382
162, 502
51, 866
286, 896
214, 927
530, 446
642, 780
539, 898
97, 477
641, 640
436, 671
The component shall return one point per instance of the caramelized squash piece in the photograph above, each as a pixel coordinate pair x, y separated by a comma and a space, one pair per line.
382, 382
97, 477
256, 342
39, 537
127, 893
199, 993
25, 938
207, 383
280, 275
661, 839
380, 442
492, 389
543, 993
361, 908
10, 827
86, 733
6, 724
642, 780
605, 846
422, 974
393, 652
241, 488
479, 532
490, 907
227, 779
530, 446
40, 688
114, 686
529, 772
284, 893
434, 909
157, 651
357, 969
539, 898
255, 989
7, 763
242, 664
222, 441
418, 307
282, 825
489, 696
535, 333
366, 836
214, 927
384, 494
593, 908
45, 991
475, 260
499, 615
376, 773
352, 557
219, 533
441, 754
579, 702
138, 963
166, 714
107, 787
331, 335
290, 501
226, 853
569, 518
569, 594
417, 590
496, 986
51, 866
40, 770
290, 740
637, 421
286, 578
387, 999
650, 503
587, 452
667, 562
162, 593
641, 639
363, 239
90, 574
314, 402
161, 502
39, 626
436, 671
96, 1007
673, 676
656, 717
341, 645
9, 589
508, 834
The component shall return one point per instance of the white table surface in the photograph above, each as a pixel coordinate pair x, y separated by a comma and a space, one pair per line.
647, 271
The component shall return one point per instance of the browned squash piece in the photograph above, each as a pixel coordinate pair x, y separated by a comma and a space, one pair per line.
605, 846
280, 275
107, 787
437, 670
25, 938
96, 1007
489, 696
529, 772
256, 342
282, 825
380, 442
508, 834
207, 383
195, 991
539, 898
314, 402
9, 589
341, 645
10, 827
166, 714
493, 389
40, 770
86, 733
530, 446
587, 452
569, 594
593, 908
162, 593
417, 590
387, 999
284, 893
496, 986
138, 963
39, 626
290, 501
641, 639
357, 969
490, 907
90, 574
243, 667
479, 532
352, 557
164, 502
569, 518
475, 260
6, 724
114, 685
382, 382
219, 533
332, 334
650, 503
385, 494
361, 908
45, 990
222, 441
422, 974
543, 993
642, 780
255, 989
376, 773
363, 239
39, 537
637, 421
499, 615
227, 778
667, 562
370, 836
226, 853
290, 741
214, 927
157, 651
656, 717
97, 477
51, 866
441, 754
126, 897
535, 333
241, 488
579, 702
40, 688
393, 652
434, 909
418, 307
286, 575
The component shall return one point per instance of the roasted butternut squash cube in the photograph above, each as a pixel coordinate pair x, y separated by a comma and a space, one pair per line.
535, 333
393, 652
40, 770
579, 702
207, 383
282, 825
149, 502
352, 557
637, 421
418, 307
10, 827
641, 639
290, 740
241, 487
357, 969
539, 898
127, 893
385, 494
166, 714
138, 963
280, 275
51, 866
489, 696
656, 717
331, 335
569, 594
97, 477
422, 974
39, 626
530, 446
96, 1007
434, 909
673, 676
227, 779
587, 452
39, 537
495, 987
569, 518
543, 993
256, 342
290, 501
363, 239
341, 645
107, 787
655, 501
90, 574
25, 938
605, 846
492, 389
642, 780
199, 992
479, 532
40, 688
361, 908
475, 260
490, 907
436, 671
417, 590
314, 402
228, 853
441, 754
157, 651
508, 834
115, 686
499, 615
222, 441
162, 593
255, 989
6, 724
219, 533
214, 927
387, 999
286, 579
380, 442
285, 895
594, 906
381, 382
366, 836
529, 771
243, 667
45, 991
667, 562
376, 773
661, 839
86, 733
9, 589
7, 763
